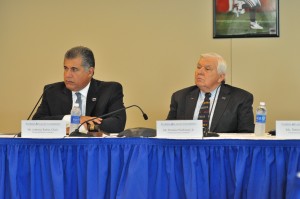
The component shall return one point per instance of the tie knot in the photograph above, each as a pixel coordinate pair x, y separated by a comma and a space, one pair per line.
207, 95
78, 94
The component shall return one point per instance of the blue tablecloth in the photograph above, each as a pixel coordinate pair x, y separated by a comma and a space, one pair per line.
148, 168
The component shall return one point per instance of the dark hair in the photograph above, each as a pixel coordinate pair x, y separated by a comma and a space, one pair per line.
85, 53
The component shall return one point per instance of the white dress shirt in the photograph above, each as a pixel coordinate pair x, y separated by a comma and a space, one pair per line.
213, 101
83, 93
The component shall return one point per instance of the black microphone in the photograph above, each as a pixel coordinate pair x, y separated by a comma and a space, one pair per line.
46, 88
79, 134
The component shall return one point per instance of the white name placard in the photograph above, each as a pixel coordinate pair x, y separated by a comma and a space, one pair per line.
179, 129
288, 129
43, 128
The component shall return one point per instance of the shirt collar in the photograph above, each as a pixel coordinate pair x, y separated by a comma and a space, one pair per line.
212, 92
83, 91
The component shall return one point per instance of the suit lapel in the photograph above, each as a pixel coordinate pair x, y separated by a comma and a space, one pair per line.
91, 99
190, 103
223, 99
67, 101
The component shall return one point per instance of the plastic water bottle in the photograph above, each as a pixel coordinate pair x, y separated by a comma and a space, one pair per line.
260, 125
75, 118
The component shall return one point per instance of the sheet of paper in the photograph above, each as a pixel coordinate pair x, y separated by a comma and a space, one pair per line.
179, 129
43, 128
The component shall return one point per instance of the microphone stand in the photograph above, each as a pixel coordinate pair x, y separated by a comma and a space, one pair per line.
46, 88
206, 132
77, 133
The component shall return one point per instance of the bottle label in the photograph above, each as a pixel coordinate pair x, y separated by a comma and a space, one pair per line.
75, 119
261, 118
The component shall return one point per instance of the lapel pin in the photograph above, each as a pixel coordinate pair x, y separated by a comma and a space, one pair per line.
93, 99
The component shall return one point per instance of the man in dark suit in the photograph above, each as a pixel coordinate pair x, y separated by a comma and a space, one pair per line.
98, 97
230, 109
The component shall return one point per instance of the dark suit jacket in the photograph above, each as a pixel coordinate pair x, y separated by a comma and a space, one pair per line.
233, 112
102, 98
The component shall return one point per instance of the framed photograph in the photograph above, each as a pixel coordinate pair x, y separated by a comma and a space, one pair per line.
245, 18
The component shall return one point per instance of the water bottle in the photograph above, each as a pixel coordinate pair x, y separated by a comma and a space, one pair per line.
260, 125
75, 118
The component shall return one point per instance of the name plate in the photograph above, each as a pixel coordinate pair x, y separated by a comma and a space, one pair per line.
43, 128
288, 129
179, 129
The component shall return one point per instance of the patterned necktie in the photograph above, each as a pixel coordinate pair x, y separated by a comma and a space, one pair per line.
78, 100
204, 112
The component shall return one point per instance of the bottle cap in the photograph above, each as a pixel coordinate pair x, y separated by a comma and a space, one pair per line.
262, 103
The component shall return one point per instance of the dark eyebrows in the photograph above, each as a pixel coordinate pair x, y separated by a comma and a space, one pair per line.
72, 68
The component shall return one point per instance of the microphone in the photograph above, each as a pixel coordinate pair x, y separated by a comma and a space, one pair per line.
79, 134
46, 88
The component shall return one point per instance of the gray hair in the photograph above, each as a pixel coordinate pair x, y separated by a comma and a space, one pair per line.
222, 66
85, 53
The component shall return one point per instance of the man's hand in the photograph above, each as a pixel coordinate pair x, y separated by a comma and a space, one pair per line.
85, 118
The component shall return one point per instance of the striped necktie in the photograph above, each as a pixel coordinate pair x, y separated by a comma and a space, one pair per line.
204, 112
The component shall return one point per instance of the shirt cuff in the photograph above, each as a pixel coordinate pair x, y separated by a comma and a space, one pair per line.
67, 118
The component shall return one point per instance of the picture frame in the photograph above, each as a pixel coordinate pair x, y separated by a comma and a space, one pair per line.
245, 18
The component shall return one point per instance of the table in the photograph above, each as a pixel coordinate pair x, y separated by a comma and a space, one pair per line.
149, 168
